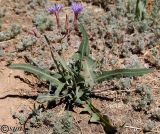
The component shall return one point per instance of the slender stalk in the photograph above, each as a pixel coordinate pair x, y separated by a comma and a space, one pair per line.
67, 26
57, 20
76, 21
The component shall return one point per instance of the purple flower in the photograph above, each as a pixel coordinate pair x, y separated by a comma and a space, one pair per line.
55, 8
77, 7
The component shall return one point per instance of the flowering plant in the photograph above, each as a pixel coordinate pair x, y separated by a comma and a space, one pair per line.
73, 83
77, 9
55, 9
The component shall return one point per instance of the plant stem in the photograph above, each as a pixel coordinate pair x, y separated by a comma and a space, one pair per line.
76, 21
58, 21
67, 25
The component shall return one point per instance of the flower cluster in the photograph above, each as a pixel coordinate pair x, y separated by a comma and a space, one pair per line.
56, 8
77, 8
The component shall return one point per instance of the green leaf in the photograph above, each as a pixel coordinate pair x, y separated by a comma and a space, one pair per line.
95, 118
57, 59
79, 93
106, 75
62, 63
39, 72
87, 71
67, 77
140, 9
103, 119
42, 98
57, 75
76, 56
52, 51
87, 109
84, 47
91, 62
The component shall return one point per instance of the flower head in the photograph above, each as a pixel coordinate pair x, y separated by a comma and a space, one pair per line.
77, 7
55, 8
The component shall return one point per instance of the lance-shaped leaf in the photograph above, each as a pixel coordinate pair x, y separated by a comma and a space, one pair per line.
39, 72
84, 47
78, 94
103, 119
118, 73
62, 63
140, 9
87, 73
59, 62
95, 118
